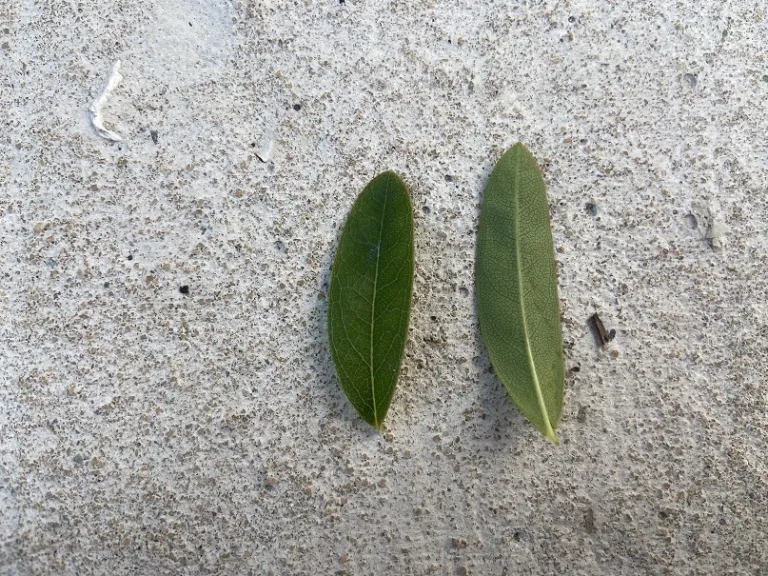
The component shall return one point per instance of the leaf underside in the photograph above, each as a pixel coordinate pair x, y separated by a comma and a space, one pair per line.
517, 300
370, 295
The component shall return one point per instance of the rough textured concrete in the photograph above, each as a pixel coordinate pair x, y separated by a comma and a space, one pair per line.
146, 431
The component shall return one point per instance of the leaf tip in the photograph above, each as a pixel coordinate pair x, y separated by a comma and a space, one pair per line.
550, 435
391, 175
519, 147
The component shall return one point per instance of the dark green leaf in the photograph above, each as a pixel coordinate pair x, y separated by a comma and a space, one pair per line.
517, 297
370, 297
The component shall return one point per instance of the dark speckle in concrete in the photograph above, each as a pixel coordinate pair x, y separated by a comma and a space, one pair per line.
589, 521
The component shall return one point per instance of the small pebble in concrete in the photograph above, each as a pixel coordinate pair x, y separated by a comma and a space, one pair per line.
581, 417
589, 521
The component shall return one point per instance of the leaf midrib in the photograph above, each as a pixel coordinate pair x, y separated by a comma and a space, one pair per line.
549, 432
373, 302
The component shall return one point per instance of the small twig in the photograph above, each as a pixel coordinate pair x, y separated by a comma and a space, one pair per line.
598, 330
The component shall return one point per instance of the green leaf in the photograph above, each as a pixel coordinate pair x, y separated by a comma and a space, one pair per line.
370, 297
517, 299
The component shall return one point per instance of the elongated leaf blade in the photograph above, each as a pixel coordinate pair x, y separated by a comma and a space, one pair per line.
370, 296
517, 299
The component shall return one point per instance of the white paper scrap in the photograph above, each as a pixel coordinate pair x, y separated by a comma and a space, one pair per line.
95, 109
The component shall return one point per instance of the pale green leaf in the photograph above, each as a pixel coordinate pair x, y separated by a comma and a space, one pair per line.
370, 295
517, 298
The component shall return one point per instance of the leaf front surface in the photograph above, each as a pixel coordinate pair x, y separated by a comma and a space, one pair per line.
517, 300
370, 296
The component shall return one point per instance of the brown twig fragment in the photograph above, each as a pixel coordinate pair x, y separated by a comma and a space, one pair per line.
598, 330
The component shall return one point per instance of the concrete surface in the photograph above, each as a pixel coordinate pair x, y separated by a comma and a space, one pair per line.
147, 431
